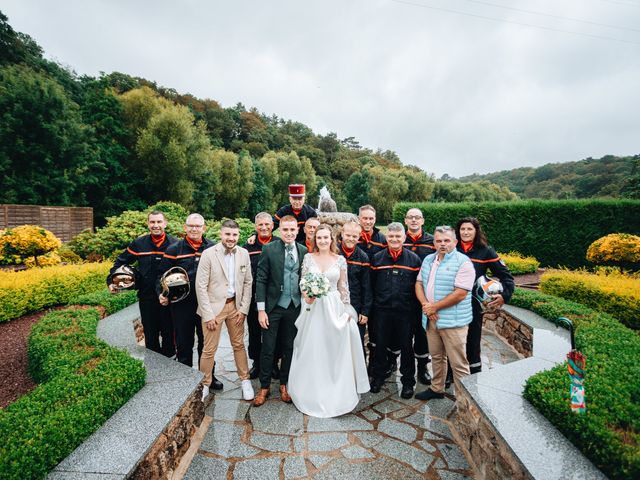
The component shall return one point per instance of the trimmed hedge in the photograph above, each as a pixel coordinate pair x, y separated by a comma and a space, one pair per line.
609, 432
112, 303
84, 382
556, 232
32, 290
612, 293
518, 264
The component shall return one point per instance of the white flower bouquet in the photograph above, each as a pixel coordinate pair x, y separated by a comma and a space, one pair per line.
314, 285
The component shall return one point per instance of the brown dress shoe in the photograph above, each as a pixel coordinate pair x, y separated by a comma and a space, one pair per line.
261, 397
284, 395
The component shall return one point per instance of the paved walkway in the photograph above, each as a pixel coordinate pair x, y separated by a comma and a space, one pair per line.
385, 437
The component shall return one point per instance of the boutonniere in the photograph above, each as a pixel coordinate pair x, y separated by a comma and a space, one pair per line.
243, 268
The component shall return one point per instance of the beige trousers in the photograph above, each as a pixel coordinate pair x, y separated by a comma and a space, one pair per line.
212, 338
443, 343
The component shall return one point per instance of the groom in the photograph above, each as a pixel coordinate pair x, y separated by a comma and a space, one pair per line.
278, 300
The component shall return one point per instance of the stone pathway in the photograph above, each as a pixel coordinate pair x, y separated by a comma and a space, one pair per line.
385, 437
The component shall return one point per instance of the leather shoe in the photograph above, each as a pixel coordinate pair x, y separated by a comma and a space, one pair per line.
261, 397
428, 394
375, 386
284, 395
254, 372
423, 376
216, 384
407, 391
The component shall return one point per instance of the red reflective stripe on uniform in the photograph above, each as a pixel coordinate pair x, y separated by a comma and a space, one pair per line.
144, 253
257, 252
188, 255
277, 217
382, 267
376, 243
428, 245
352, 262
486, 261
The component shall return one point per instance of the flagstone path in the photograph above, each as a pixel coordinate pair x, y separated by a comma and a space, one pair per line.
385, 437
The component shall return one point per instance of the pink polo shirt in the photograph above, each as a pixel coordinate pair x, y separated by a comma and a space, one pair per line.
465, 278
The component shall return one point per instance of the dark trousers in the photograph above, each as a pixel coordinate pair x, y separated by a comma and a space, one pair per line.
186, 321
255, 337
394, 327
420, 345
157, 326
281, 324
474, 337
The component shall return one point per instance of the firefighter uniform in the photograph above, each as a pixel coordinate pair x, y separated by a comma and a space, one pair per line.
156, 319
255, 331
185, 319
395, 305
358, 275
301, 216
421, 245
483, 259
372, 243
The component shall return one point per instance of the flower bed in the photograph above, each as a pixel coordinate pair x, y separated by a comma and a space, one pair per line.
32, 290
609, 433
609, 292
83, 381
520, 264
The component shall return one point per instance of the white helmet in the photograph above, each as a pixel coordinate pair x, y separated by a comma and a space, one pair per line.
123, 278
485, 288
175, 284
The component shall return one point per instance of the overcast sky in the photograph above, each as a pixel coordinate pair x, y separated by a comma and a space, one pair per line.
453, 86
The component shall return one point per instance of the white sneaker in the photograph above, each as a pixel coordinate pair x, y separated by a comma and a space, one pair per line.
205, 392
247, 390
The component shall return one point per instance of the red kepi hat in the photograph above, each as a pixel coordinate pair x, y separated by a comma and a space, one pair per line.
296, 190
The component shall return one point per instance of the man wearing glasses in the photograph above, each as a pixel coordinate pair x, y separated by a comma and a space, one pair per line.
420, 243
186, 253
443, 288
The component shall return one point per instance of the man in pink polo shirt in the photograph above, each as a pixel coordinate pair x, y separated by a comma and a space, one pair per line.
443, 288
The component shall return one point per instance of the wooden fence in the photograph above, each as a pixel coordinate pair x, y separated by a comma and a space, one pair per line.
64, 222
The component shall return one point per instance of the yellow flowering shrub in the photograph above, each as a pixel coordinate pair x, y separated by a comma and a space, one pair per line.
621, 249
47, 260
34, 289
28, 241
519, 264
606, 291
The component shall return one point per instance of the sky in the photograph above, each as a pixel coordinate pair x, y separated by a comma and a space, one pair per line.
452, 86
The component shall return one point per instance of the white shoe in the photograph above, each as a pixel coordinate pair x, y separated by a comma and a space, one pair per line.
247, 390
205, 392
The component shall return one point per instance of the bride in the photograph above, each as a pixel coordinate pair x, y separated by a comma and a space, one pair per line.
328, 370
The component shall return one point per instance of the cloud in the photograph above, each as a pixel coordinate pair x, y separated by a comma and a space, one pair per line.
448, 92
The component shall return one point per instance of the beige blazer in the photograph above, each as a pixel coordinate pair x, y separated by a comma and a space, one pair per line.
212, 282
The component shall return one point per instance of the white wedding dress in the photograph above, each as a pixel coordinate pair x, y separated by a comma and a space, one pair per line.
328, 370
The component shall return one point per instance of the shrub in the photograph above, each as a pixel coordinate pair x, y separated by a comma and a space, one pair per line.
83, 383
28, 241
608, 433
618, 249
47, 260
556, 232
609, 292
31, 290
111, 302
519, 264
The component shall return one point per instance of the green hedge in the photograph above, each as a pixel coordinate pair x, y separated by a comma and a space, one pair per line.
83, 383
556, 232
609, 433
104, 298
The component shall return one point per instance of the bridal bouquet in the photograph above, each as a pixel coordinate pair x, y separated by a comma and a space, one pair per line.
314, 285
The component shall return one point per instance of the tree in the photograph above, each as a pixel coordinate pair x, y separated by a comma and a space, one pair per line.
43, 142
387, 188
235, 185
28, 241
357, 188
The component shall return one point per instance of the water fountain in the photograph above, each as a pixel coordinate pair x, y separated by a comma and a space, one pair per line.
327, 211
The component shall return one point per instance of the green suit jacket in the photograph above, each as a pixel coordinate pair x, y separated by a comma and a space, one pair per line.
270, 275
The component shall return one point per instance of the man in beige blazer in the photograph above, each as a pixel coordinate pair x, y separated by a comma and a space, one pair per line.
223, 288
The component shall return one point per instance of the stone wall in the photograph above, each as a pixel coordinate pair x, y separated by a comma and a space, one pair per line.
517, 334
166, 453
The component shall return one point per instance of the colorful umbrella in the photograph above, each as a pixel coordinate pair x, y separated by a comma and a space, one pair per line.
576, 365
